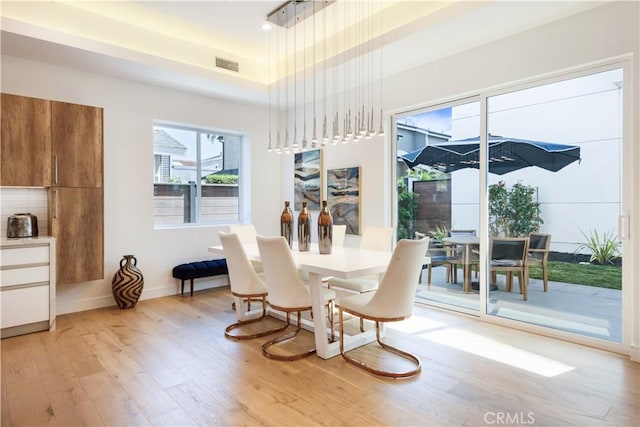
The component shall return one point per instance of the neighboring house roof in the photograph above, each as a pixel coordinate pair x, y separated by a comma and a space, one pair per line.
163, 143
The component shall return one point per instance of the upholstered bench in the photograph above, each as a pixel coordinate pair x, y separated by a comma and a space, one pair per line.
197, 270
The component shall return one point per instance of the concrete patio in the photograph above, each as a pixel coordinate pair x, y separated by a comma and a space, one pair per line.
585, 310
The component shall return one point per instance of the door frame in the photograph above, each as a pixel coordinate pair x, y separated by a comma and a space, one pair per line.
629, 221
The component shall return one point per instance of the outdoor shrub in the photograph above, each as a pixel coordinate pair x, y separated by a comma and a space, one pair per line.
221, 179
604, 249
407, 208
498, 209
514, 212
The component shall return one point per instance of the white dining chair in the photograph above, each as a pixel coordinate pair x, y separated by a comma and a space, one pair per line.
245, 284
375, 239
287, 292
339, 232
391, 302
247, 234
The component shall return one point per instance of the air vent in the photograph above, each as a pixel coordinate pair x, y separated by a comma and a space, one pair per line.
227, 65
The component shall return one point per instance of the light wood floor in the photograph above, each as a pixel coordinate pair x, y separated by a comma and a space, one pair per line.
166, 362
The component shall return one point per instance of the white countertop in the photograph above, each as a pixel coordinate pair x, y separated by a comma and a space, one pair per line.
18, 241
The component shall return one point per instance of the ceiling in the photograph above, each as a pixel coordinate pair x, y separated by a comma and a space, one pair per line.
175, 43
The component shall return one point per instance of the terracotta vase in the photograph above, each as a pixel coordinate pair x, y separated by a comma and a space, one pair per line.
286, 223
325, 230
304, 229
127, 283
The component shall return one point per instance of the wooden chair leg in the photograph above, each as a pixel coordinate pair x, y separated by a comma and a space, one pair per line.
544, 277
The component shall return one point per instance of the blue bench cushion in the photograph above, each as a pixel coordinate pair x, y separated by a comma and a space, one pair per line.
196, 270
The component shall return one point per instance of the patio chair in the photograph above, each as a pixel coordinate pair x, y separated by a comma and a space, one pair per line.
509, 255
455, 255
539, 254
439, 255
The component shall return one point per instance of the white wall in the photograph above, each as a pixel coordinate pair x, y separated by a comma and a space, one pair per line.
129, 112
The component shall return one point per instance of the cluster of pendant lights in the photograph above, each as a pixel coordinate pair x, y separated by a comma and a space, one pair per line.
325, 73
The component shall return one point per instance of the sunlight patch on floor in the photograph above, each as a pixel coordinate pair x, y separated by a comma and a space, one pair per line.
481, 346
497, 351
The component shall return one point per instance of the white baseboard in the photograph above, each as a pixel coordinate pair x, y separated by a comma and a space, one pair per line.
635, 353
147, 293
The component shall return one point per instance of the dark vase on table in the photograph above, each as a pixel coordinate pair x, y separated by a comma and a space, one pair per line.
127, 283
286, 224
304, 229
325, 230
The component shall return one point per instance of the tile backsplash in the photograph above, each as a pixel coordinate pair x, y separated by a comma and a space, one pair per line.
18, 200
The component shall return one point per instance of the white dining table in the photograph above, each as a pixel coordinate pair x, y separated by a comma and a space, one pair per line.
345, 263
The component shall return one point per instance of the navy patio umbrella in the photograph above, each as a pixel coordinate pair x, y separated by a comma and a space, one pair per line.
505, 155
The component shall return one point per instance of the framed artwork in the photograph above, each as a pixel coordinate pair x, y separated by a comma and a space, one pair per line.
343, 197
307, 180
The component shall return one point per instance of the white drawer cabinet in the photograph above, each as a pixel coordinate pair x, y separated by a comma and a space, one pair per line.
27, 285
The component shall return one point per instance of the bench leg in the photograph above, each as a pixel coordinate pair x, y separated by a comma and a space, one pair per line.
191, 287
182, 289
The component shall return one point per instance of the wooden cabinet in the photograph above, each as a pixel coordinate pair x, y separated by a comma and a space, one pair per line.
76, 141
25, 142
76, 197
78, 226
27, 287
60, 145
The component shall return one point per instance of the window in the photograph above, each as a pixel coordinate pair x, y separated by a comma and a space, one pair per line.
196, 176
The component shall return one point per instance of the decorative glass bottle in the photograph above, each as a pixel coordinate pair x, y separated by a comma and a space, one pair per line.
304, 229
325, 229
286, 223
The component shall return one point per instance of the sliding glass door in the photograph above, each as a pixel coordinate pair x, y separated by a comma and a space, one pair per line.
567, 203
521, 193
438, 202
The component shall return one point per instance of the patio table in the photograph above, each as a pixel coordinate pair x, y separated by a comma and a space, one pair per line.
467, 242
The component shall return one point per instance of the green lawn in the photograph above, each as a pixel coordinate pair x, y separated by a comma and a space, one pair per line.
601, 276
